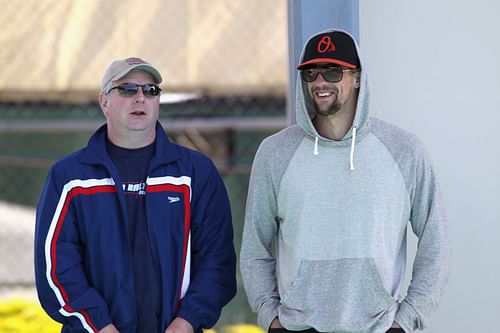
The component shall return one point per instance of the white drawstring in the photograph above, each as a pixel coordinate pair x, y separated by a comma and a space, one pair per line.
354, 129
353, 143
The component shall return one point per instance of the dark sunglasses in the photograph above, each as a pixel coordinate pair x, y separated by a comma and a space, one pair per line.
330, 74
130, 89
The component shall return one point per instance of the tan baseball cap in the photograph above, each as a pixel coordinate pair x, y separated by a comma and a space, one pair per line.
119, 68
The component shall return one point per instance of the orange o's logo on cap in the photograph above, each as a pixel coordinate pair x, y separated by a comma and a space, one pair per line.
326, 45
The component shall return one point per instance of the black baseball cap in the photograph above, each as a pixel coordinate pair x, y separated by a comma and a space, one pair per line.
334, 46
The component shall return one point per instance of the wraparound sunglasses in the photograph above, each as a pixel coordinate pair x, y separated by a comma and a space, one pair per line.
130, 89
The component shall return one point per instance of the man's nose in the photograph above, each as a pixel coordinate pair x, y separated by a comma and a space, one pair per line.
320, 78
139, 95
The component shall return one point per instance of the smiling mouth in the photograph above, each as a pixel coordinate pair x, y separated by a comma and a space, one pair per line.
325, 94
324, 91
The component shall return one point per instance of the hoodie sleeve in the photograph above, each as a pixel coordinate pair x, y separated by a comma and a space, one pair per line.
257, 260
62, 286
213, 278
432, 262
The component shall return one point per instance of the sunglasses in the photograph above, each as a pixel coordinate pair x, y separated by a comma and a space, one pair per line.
330, 74
130, 89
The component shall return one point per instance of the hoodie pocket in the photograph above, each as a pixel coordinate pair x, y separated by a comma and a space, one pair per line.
335, 295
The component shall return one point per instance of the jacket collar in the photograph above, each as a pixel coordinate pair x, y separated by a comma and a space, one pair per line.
96, 152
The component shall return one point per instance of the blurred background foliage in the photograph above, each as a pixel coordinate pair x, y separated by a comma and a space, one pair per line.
23, 316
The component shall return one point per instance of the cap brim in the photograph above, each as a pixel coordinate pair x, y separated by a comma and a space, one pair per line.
325, 60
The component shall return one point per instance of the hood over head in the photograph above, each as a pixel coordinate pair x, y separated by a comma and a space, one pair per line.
337, 47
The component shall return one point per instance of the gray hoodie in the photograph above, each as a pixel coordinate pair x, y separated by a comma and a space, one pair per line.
324, 242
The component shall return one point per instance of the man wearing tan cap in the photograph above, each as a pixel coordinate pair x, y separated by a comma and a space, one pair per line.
329, 203
133, 232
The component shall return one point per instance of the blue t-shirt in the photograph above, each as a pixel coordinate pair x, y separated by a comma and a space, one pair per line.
133, 166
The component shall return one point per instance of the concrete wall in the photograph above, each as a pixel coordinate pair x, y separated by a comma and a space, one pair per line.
434, 70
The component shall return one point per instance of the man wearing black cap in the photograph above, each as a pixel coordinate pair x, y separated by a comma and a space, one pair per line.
329, 202
133, 232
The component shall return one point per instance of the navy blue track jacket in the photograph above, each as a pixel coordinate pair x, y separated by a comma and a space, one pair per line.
83, 260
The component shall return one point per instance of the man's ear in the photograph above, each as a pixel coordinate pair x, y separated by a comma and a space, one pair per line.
357, 80
103, 102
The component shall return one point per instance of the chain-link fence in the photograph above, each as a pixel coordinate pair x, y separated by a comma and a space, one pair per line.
225, 60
